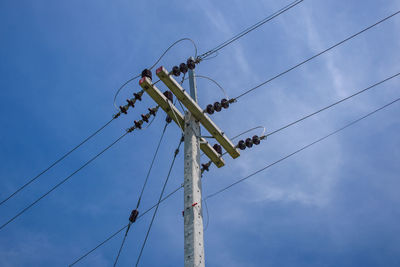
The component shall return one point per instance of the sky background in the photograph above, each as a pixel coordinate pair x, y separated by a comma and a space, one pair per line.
335, 204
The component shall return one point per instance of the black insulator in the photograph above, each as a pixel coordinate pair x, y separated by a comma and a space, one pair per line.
123, 109
169, 95
134, 215
217, 106
218, 149
183, 68
225, 103
146, 73
205, 167
210, 109
168, 119
137, 96
176, 71
191, 64
131, 102
152, 111
256, 140
138, 124
249, 142
241, 145
145, 118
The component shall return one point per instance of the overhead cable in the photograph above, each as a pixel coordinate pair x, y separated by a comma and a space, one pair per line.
301, 149
141, 193
124, 227
316, 55
136, 126
152, 66
249, 29
205, 167
159, 200
54, 163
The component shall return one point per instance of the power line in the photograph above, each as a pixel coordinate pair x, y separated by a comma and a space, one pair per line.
138, 125
150, 68
161, 195
301, 149
135, 212
99, 245
63, 181
333, 104
142, 191
316, 55
269, 134
123, 228
315, 112
249, 29
151, 165
55, 163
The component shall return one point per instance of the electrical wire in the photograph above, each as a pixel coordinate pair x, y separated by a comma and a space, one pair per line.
63, 181
158, 60
212, 80
316, 112
208, 216
151, 165
142, 191
333, 104
249, 29
76, 171
123, 228
55, 163
161, 195
318, 54
269, 134
99, 245
301, 149
252, 129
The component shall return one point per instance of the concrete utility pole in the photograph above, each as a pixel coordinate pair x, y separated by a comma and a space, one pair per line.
193, 214
190, 124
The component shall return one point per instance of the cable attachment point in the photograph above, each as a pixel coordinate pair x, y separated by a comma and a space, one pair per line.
138, 124
225, 103
145, 117
124, 109
116, 115
146, 73
257, 140
249, 142
153, 111
191, 64
217, 106
176, 71
138, 96
198, 60
205, 167
218, 149
168, 94
131, 102
183, 68
133, 216
209, 109
168, 119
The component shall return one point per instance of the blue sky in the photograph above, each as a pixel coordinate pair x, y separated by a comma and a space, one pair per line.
335, 204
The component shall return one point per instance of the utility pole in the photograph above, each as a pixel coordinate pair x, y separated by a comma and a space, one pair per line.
190, 124
193, 215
